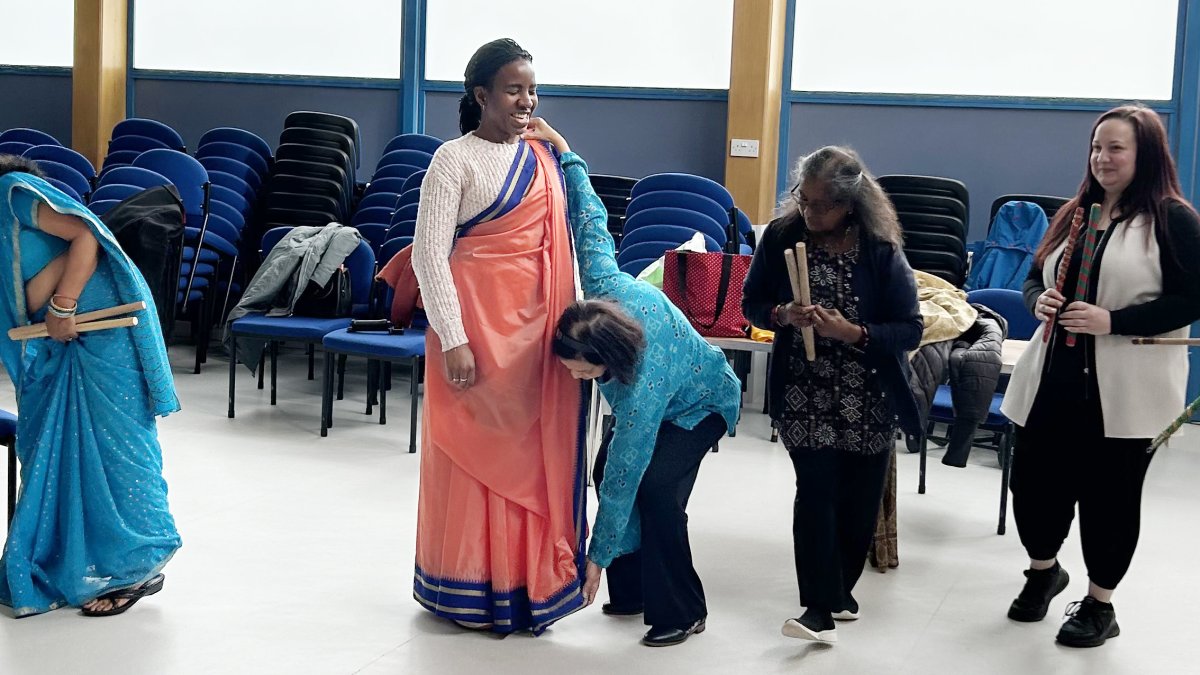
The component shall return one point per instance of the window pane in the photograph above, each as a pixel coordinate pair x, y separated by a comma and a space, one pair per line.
38, 33
1058, 48
348, 38
681, 44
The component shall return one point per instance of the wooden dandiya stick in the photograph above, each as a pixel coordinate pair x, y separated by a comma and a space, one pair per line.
1174, 426
797, 266
38, 330
1063, 264
123, 322
1085, 265
1183, 342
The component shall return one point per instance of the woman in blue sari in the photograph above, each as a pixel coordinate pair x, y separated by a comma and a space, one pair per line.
91, 527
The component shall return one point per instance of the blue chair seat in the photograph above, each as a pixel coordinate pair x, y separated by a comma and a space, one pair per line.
287, 327
942, 410
376, 345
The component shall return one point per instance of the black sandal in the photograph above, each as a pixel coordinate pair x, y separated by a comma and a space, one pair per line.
131, 594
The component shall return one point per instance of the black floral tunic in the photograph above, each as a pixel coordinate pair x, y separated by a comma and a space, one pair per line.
836, 401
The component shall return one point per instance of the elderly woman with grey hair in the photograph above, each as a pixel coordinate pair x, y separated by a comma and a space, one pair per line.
839, 412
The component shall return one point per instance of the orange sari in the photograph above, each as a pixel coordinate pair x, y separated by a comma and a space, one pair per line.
500, 521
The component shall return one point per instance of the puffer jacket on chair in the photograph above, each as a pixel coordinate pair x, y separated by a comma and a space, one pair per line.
975, 366
928, 368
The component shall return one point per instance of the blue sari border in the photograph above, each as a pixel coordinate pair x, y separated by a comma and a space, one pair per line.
512, 190
503, 611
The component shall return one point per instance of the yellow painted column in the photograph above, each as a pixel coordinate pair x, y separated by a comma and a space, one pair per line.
98, 76
755, 97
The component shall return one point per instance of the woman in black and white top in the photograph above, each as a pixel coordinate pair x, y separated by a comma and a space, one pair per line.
1085, 414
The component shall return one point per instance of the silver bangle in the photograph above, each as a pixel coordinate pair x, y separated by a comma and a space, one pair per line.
61, 312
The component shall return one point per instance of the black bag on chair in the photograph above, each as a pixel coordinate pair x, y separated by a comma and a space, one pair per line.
149, 228
331, 301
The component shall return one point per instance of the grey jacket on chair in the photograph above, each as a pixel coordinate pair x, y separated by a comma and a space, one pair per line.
305, 254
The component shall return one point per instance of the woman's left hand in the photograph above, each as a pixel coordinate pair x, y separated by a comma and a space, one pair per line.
1081, 317
59, 329
591, 582
540, 130
831, 324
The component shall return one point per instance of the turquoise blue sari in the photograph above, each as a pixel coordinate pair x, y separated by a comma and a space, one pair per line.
92, 514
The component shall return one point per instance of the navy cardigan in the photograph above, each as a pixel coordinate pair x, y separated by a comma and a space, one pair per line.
887, 304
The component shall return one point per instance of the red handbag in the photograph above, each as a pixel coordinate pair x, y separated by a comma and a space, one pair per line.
707, 288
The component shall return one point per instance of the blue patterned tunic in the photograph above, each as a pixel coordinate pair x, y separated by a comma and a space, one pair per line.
680, 379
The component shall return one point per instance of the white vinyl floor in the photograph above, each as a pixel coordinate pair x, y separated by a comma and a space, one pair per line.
298, 557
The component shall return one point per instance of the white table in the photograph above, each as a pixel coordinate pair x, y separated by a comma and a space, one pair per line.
1010, 353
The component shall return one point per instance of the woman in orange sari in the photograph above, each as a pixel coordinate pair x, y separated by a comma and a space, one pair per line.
501, 513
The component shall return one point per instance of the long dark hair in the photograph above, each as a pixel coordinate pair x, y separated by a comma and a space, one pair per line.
11, 163
481, 70
1154, 188
849, 183
605, 335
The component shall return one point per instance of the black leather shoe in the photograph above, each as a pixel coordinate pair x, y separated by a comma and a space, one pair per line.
1089, 624
665, 637
617, 610
1040, 588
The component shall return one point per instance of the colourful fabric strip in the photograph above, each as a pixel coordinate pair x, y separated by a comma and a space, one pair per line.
505, 611
512, 191
1085, 273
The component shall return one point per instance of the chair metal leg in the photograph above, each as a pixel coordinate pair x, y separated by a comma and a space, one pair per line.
327, 394
201, 318
274, 369
387, 372
924, 449
1006, 459
232, 377
262, 368
372, 366
414, 387
228, 291
312, 361
767, 394
341, 376
12, 479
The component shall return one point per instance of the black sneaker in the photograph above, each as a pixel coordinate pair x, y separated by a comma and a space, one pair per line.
1040, 588
812, 625
849, 611
1089, 624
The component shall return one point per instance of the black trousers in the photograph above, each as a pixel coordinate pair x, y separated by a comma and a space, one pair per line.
838, 495
1056, 467
660, 576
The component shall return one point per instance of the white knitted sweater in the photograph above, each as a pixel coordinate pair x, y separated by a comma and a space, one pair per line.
464, 178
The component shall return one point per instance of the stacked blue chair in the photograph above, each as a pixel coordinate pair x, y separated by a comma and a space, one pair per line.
203, 232
405, 156
29, 136
238, 164
303, 330
66, 156
131, 137
420, 142
669, 227
147, 128
675, 183
14, 148
80, 185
